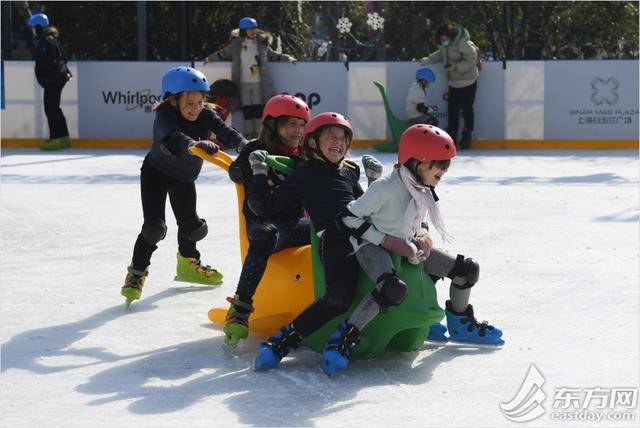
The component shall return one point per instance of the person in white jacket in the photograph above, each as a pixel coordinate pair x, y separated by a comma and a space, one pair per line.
390, 218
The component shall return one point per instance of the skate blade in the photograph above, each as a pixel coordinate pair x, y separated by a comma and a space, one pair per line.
434, 344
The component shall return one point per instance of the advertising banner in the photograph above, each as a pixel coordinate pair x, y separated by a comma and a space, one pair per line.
591, 99
488, 106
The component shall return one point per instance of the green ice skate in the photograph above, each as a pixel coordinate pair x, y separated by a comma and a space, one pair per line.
133, 283
191, 270
56, 144
236, 323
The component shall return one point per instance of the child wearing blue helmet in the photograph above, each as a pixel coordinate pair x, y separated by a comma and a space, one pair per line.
183, 119
416, 106
249, 49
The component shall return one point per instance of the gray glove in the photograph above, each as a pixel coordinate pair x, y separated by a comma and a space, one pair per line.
258, 162
372, 168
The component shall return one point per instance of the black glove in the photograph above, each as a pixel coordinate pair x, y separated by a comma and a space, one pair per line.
209, 147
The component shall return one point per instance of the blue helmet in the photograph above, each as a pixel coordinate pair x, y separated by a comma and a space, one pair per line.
425, 73
246, 23
181, 79
39, 19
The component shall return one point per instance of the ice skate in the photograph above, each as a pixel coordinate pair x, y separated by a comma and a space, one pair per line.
339, 347
189, 269
236, 323
465, 329
277, 347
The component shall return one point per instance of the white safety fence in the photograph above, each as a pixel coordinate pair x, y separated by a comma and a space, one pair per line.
532, 100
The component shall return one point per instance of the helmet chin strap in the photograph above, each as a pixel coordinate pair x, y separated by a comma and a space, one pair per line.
282, 146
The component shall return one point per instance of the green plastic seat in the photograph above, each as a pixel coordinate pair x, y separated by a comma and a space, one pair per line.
396, 125
402, 328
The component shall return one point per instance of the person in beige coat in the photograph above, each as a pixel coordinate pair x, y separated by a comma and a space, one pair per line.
250, 50
460, 56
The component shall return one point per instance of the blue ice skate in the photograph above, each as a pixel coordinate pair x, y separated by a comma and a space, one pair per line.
464, 328
277, 347
437, 333
339, 347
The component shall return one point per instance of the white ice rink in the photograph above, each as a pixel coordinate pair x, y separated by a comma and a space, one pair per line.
555, 232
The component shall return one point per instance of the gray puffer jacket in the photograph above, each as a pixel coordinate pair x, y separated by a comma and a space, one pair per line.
232, 52
462, 54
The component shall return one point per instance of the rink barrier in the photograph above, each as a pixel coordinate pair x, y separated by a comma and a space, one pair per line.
111, 143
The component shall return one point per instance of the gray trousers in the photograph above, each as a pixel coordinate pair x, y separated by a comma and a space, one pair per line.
251, 96
375, 261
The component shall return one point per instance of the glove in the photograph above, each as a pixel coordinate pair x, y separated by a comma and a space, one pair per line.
209, 147
372, 168
424, 245
258, 162
399, 246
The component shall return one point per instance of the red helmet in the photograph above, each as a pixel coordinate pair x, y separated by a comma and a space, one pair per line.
425, 143
286, 105
328, 118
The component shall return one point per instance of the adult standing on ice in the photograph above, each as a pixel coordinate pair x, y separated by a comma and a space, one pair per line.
250, 51
183, 119
52, 74
460, 56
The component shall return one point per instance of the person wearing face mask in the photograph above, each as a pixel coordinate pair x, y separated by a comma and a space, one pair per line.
183, 119
325, 183
52, 74
250, 50
460, 57
391, 218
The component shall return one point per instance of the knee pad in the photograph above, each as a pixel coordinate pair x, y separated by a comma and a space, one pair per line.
337, 299
257, 111
154, 231
235, 173
247, 112
263, 237
195, 232
392, 291
466, 268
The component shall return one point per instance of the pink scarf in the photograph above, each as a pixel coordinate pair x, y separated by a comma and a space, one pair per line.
422, 202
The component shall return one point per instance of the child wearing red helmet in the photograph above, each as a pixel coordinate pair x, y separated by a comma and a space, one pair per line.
283, 121
390, 218
325, 184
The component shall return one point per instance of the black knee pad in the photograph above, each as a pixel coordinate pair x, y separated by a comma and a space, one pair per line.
247, 112
257, 111
263, 237
154, 231
337, 299
466, 268
196, 231
392, 292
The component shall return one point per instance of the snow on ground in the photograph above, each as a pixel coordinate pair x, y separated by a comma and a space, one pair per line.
555, 232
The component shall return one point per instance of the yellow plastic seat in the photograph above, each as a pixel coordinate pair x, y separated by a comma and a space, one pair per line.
287, 285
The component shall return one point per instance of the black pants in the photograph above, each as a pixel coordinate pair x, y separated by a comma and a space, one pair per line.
154, 187
291, 234
461, 98
55, 117
341, 276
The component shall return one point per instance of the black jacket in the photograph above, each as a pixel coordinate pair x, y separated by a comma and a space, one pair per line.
51, 60
172, 135
323, 189
241, 173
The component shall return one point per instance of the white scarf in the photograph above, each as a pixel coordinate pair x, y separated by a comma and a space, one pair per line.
422, 202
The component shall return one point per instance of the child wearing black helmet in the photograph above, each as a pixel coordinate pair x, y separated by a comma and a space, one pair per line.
183, 119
